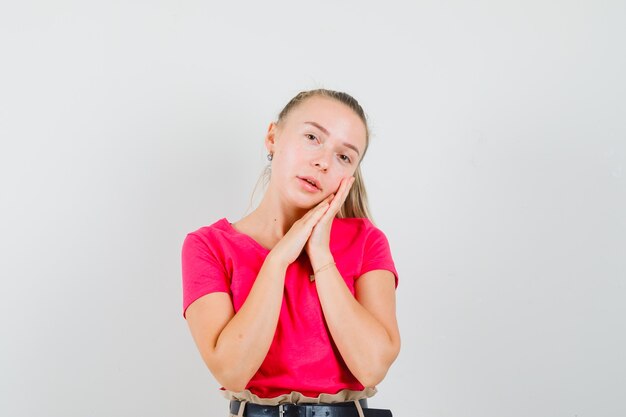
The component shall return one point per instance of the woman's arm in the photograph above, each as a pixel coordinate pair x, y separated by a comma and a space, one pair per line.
364, 328
233, 346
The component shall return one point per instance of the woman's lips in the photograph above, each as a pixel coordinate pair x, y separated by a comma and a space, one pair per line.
308, 186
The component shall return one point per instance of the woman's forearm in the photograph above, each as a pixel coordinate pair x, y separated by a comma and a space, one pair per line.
244, 342
364, 343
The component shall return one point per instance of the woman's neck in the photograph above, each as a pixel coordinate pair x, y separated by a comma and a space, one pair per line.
270, 221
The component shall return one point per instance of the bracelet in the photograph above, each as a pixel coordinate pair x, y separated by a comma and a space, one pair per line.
312, 277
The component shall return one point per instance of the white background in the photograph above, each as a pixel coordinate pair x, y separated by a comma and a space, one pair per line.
497, 169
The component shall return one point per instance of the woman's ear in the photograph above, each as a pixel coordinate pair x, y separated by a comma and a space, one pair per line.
270, 137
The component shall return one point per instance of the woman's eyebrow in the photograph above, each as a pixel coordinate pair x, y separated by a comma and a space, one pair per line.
323, 129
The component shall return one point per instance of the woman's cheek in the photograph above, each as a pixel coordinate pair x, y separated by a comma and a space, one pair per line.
336, 185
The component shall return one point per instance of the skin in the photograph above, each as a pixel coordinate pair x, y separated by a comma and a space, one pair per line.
310, 141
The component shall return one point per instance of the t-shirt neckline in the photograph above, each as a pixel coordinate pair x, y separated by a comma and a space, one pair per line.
234, 231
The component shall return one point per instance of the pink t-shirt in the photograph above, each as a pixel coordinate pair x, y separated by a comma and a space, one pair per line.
302, 356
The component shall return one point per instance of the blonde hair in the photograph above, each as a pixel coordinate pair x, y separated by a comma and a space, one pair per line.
356, 204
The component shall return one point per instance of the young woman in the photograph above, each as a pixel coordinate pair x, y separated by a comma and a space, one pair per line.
293, 307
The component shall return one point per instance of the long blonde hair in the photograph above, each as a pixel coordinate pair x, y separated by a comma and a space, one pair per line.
355, 204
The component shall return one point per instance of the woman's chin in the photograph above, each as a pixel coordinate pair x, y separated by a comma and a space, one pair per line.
304, 203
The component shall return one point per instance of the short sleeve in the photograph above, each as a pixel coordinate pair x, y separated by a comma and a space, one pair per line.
377, 254
202, 272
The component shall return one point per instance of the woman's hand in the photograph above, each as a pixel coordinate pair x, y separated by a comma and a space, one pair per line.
318, 245
290, 246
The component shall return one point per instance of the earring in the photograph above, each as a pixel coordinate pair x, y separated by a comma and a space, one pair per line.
270, 156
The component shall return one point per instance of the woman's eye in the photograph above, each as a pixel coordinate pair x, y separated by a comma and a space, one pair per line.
345, 158
310, 136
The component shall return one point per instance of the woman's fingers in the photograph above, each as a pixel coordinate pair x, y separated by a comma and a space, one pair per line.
342, 193
337, 200
320, 210
291, 245
321, 206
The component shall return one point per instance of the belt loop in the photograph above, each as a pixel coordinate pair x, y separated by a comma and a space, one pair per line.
281, 410
242, 406
359, 409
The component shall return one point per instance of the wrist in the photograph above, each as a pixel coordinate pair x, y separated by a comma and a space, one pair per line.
276, 261
321, 259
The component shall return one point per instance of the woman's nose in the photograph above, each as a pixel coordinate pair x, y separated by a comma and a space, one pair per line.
321, 163
322, 159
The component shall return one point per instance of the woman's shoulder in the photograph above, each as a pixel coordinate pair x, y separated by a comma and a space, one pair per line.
215, 227
222, 236
219, 230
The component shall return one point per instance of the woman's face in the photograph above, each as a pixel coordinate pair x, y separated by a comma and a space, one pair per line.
321, 139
